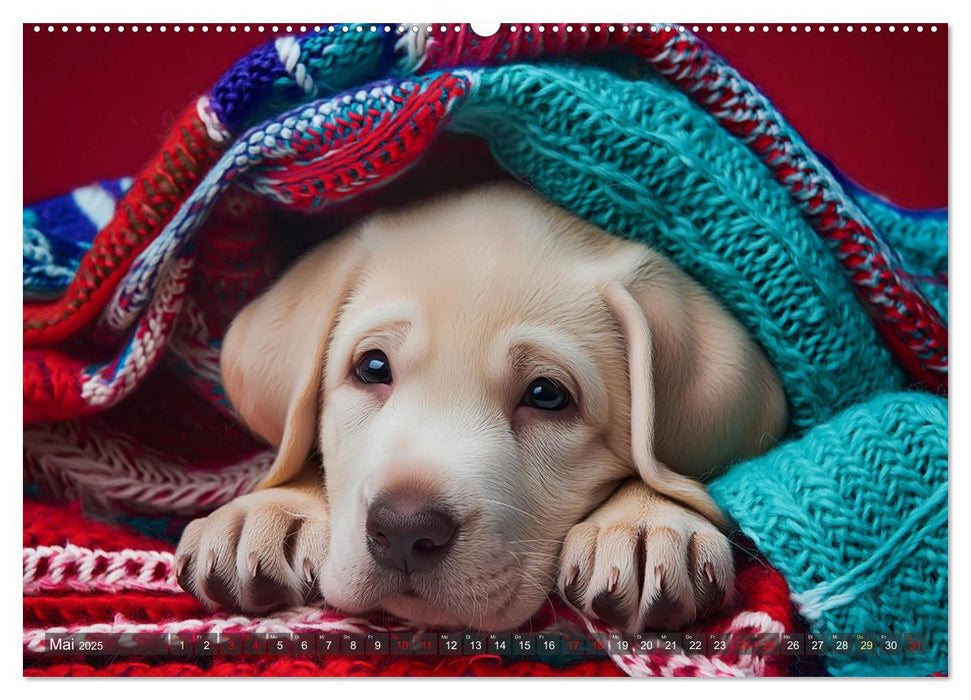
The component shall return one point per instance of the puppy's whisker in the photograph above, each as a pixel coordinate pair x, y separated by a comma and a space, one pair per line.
751, 553
477, 608
544, 590
529, 579
552, 581
540, 556
547, 555
513, 508
546, 594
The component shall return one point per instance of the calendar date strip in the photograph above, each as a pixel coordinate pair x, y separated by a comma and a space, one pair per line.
472, 644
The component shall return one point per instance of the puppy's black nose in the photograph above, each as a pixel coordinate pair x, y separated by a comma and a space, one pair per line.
408, 535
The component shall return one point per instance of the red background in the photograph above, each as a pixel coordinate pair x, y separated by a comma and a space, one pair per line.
97, 104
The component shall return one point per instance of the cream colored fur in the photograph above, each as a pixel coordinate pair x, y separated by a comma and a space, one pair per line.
472, 296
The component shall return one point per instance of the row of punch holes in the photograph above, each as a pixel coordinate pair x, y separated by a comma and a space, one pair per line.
487, 30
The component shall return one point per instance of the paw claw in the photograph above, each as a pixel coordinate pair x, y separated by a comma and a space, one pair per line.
666, 612
609, 608
257, 553
265, 593
572, 576
220, 590
574, 593
614, 580
641, 561
183, 573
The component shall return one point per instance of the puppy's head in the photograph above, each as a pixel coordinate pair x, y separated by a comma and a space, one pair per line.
464, 367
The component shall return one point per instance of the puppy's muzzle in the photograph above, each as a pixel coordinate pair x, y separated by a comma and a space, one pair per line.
409, 533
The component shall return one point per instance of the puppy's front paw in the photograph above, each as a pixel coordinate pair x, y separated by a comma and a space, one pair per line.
641, 561
260, 552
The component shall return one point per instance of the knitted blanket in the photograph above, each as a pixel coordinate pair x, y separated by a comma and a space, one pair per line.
129, 286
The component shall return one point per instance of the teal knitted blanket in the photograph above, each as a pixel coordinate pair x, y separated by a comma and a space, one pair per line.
640, 159
854, 515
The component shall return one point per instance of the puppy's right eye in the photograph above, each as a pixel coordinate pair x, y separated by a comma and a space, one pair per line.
374, 368
546, 394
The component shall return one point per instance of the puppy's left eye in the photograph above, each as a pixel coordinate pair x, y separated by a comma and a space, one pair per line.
374, 368
546, 394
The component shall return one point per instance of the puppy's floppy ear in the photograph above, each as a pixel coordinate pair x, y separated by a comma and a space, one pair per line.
642, 417
274, 352
703, 393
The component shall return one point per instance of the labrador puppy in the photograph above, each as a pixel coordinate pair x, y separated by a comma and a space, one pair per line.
475, 401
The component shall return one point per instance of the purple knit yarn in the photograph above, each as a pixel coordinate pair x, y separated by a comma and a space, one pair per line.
245, 83
248, 86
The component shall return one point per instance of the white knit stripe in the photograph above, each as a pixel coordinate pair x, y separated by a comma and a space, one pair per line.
111, 383
79, 569
214, 127
288, 49
191, 343
295, 621
126, 305
96, 204
412, 49
69, 459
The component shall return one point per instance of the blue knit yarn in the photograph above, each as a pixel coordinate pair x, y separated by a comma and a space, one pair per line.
58, 232
855, 516
260, 85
